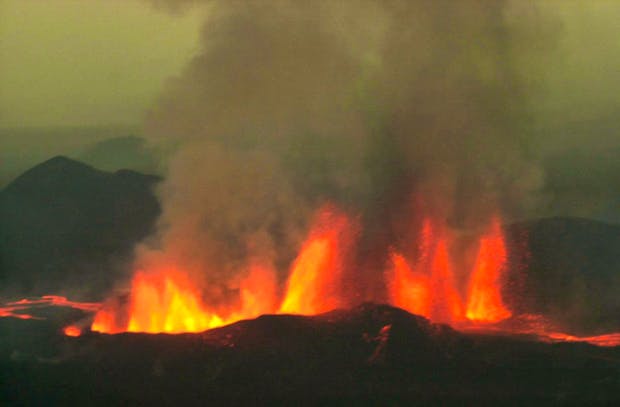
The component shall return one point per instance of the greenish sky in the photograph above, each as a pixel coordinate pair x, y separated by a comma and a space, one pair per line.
88, 62
583, 74
103, 62
98, 65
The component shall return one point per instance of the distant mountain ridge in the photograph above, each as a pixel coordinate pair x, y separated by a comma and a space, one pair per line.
65, 224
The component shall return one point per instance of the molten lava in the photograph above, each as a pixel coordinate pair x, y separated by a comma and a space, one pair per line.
409, 290
429, 288
169, 301
447, 303
484, 302
14, 309
72, 330
105, 321
163, 301
314, 284
610, 340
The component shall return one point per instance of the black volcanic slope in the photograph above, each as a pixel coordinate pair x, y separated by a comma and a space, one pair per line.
372, 354
567, 269
66, 226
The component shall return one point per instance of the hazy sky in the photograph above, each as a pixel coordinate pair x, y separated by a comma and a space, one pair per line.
583, 74
101, 62
105, 62
87, 62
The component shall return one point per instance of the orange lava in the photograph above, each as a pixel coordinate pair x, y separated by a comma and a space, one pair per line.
410, 290
429, 287
537, 326
12, 311
447, 303
608, 340
258, 292
314, 283
484, 302
15, 309
72, 330
164, 301
169, 301
105, 321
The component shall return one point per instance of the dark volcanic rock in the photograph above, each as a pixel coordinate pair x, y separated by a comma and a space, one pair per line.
67, 227
302, 359
567, 269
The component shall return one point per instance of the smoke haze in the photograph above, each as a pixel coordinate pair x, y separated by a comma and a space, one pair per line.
394, 110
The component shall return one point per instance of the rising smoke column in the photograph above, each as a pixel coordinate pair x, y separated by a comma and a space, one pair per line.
394, 110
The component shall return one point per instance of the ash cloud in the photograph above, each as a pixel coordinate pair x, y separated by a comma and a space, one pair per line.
390, 109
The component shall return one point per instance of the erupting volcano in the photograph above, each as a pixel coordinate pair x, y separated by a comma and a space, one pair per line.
429, 284
379, 200
168, 300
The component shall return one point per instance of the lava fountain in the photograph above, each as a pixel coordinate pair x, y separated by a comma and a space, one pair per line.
484, 301
168, 300
428, 286
315, 282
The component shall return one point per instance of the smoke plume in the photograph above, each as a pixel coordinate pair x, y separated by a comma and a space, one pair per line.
389, 109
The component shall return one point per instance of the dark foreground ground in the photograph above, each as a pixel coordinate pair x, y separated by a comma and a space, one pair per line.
373, 354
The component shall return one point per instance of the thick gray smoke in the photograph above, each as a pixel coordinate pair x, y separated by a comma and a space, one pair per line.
390, 109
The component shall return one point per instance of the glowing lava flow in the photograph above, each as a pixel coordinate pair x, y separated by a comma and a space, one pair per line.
609, 340
72, 330
12, 309
537, 326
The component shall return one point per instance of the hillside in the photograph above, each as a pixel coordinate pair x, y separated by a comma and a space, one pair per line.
69, 228
368, 354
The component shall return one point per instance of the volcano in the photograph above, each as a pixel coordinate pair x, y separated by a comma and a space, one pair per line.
485, 329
